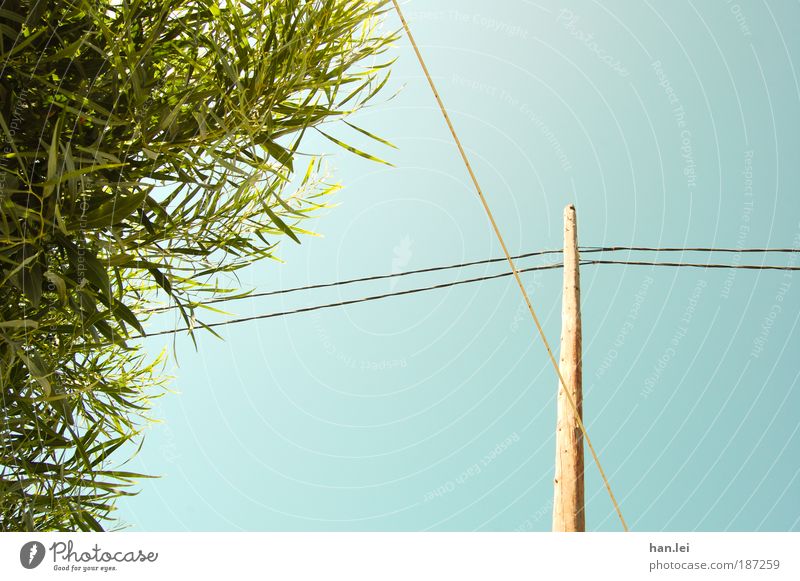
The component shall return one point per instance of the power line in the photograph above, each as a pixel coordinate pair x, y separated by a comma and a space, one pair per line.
583, 250
691, 265
467, 281
363, 279
675, 249
508, 257
361, 300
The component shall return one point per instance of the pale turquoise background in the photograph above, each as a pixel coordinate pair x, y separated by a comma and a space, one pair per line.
351, 419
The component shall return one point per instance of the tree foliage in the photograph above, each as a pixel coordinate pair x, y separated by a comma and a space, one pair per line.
148, 148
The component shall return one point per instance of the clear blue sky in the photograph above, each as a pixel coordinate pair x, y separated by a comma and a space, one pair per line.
667, 124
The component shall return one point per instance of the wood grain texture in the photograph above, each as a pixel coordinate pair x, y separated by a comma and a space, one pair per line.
568, 502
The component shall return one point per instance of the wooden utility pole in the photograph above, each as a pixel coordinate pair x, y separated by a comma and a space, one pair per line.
568, 502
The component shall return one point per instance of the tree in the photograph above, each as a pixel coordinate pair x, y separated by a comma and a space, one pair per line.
148, 148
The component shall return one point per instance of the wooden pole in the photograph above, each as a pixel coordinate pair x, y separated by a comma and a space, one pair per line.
568, 502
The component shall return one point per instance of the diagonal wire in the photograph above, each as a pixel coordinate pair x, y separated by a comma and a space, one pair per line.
510, 261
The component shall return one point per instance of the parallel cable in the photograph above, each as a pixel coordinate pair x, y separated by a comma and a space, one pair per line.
360, 279
582, 250
466, 281
675, 249
509, 259
355, 301
690, 264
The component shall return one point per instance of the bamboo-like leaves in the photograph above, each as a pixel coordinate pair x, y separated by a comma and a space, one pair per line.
352, 149
149, 149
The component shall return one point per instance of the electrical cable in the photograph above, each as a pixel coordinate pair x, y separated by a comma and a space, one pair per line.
582, 250
692, 265
511, 264
355, 301
360, 279
675, 249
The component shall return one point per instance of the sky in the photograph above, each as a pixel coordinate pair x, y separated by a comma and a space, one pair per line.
667, 125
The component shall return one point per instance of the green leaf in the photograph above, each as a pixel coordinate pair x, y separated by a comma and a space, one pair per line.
283, 156
52, 160
161, 280
354, 150
19, 47
202, 105
32, 283
61, 177
91, 521
280, 224
123, 313
19, 324
59, 284
371, 135
114, 211
96, 272
36, 368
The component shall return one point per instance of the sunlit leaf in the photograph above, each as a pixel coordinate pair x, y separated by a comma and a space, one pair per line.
354, 150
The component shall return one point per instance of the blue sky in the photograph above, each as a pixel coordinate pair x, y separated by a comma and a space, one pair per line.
667, 125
